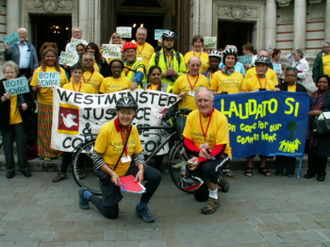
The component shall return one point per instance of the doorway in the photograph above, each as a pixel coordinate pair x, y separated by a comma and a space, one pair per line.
51, 28
234, 33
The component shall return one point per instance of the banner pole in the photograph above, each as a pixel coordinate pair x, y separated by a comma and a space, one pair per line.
300, 165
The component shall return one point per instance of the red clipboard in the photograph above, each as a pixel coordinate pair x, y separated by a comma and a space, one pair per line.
128, 184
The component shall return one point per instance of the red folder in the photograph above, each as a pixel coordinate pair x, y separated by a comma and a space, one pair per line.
128, 184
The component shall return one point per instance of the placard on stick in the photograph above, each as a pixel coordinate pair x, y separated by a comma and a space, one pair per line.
159, 33
246, 59
277, 67
111, 51
17, 86
210, 42
68, 58
48, 79
75, 42
11, 38
125, 32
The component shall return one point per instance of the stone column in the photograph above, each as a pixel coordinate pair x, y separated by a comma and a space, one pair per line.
299, 24
327, 21
83, 18
270, 24
207, 11
12, 15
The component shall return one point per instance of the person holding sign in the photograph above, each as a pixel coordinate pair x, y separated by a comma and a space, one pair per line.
118, 153
296, 58
198, 43
290, 85
23, 54
115, 82
77, 34
206, 136
248, 49
14, 124
186, 87
227, 80
115, 39
215, 59
170, 61
90, 76
134, 69
277, 63
101, 64
144, 49
49, 63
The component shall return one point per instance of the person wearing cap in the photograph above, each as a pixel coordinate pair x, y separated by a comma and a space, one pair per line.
144, 49
214, 61
198, 43
112, 159
170, 61
134, 69
206, 137
227, 79
238, 67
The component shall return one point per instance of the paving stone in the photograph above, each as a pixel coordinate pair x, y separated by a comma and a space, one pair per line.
78, 216
272, 238
45, 202
77, 244
325, 233
26, 244
115, 235
42, 195
59, 195
324, 223
43, 236
19, 235
312, 236
310, 225
13, 216
316, 199
289, 217
138, 235
51, 244
61, 226
268, 203
7, 244
67, 236
64, 201
152, 243
90, 235
127, 244
157, 234
305, 216
102, 244
291, 237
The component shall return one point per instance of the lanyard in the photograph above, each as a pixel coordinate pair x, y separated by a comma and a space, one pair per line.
139, 52
127, 70
89, 77
211, 74
156, 87
197, 53
192, 87
122, 137
165, 55
260, 82
74, 89
170, 61
208, 124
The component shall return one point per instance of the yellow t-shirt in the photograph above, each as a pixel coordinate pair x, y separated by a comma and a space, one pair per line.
15, 115
109, 142
85, 88
326, 64
45, 96
96, 67
182, 85
217, 133
270, 74
231, 84
110, 85
253, 84
144, 53
204, 57
292, 88
94, 79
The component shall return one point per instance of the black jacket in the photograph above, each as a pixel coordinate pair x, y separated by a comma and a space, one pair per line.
284, 87
5, 110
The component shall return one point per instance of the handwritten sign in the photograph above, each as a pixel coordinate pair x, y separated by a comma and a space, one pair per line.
11, 38
68, 58
210, 42
277, 67
125, 32
111, 51
75, 42
247, 59
159, 33
17, 86
48, 79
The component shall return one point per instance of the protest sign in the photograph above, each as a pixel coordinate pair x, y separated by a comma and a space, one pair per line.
11, 38
247, 59
16, 86
75, 42
267, 123
48, 79
125, 32
74, 113
277, 67
111, 51
68, 58
159, 33
210, 42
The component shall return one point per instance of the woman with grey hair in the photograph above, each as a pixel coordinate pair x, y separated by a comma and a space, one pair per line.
14, 124
297, 60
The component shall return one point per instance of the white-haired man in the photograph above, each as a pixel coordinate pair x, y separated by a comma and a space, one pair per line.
77, 34
144, 50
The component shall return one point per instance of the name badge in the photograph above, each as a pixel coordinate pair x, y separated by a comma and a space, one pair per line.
126, 159
205, 145
139, 58
192, 93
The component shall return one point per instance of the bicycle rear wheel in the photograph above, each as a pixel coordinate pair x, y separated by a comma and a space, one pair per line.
82, 161
177, 155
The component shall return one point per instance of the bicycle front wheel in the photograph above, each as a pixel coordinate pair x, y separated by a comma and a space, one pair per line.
83, 168
177, 155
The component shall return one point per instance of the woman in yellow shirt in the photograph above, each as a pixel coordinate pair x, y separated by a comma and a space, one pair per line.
49, 63
14, 124
198, 43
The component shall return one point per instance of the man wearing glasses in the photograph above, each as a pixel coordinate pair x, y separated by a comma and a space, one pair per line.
77, 34
206, 136
144, 50
322, 62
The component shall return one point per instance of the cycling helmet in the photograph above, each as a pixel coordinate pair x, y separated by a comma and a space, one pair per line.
262, 60
129, 45
190, 183
216, 54
127, 102
168, 34
229, 51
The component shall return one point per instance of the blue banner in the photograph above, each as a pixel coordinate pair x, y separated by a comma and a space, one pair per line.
267, 123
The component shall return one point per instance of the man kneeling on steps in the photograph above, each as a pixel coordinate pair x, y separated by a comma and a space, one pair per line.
206, 136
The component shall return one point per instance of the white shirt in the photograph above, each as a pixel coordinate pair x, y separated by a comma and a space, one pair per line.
25, 54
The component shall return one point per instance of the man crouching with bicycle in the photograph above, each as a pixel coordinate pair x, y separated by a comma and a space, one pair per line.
118, 152
206, 136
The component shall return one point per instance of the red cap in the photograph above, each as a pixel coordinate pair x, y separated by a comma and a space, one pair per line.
129, 45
